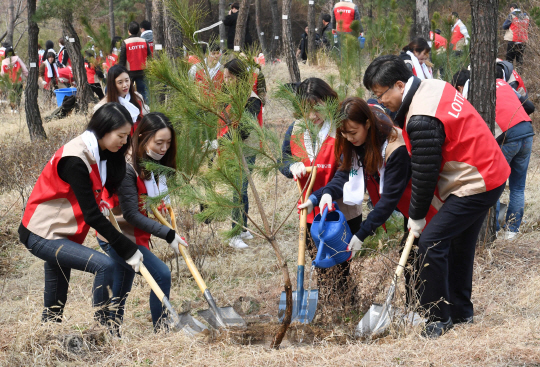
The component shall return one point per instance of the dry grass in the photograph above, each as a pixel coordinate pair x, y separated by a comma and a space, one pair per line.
506, 296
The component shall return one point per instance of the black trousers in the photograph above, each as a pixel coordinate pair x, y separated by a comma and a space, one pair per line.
515, 51
446, 254
96, 88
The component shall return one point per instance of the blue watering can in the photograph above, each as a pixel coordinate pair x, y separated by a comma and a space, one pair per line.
332, 235
362, 41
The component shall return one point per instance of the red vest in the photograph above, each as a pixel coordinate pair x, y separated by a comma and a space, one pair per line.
151, 45
200, 77
520, 29
46, 74
61, 57
13, 71
224, 128
90, 73
136, 53
344, 15
456, 34
326, 163
438, 40
521, 85
50, 191
111, 60
193, 59
508, 109
472, 161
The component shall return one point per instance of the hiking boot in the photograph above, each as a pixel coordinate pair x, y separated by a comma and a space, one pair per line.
463, 320
435, 329
236, 242
246, 235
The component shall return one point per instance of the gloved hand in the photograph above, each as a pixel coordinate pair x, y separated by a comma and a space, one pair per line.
178, 241
416, 226
211, 145
162, 208
298, 170
355, 245
307, 204
326, 200
43, 83
135, 261
105, 208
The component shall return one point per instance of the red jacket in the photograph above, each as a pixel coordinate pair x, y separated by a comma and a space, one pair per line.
508, 109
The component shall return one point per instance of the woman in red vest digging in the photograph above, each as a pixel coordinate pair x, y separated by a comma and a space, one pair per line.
92, 73
13, 66
65, 203
154, 140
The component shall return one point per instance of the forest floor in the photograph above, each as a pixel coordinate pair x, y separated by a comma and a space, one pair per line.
506, 295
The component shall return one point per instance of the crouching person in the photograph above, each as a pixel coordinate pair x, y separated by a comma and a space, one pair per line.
458, 166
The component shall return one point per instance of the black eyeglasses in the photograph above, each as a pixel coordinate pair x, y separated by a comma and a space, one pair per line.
380, 97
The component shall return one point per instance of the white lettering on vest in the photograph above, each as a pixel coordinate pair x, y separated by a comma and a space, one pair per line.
344, 11
136, 47
324, 165
457, 105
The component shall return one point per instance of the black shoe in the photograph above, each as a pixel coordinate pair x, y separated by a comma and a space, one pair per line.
437, 328
463, 320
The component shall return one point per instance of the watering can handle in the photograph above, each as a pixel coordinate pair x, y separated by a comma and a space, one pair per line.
324, 214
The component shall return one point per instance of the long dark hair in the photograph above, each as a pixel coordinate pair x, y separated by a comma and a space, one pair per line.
380, 128
114, 41
417, 45
238, 68
147, 128
109, 117
112, 92
315, 90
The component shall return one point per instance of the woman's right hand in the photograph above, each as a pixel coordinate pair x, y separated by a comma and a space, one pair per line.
326, 200
135, 261
308, 204
298, 170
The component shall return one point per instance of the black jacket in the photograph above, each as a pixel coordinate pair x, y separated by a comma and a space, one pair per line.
230, 22
427, 136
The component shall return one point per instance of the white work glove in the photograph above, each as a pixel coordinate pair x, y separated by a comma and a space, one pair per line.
178, 241
104, 207
355, 245
326, 200
298, 170
135, 261
43, 83
307, 204
211, 145
416, 226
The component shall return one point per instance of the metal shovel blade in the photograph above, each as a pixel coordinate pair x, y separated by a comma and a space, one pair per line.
224, 317
307, 309
183, 321
377, 318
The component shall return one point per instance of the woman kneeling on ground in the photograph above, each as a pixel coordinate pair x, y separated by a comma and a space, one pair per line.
64, 204
120, 89
154, 140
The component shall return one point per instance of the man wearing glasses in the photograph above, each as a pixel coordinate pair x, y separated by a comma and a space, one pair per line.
458, 167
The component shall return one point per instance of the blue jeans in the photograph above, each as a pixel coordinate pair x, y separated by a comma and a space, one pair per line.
123, 280
239, 215
141, 87
517, 154
60, 257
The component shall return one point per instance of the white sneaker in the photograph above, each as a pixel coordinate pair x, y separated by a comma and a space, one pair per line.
246, 235
236, 242
508, 235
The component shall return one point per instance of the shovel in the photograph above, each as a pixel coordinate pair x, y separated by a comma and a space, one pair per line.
217, 317
304, 301
378, 316
176, 322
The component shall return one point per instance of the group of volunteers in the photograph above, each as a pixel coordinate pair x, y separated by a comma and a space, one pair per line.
418, 147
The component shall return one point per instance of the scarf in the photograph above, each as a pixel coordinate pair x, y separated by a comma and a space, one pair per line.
91, 142
213, 71
156, 189
422, 70
466, 89
313, 150
49, 70
133, 111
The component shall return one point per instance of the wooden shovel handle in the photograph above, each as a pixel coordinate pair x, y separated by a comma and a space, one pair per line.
404, 256
183, 251
303, 215
144, 272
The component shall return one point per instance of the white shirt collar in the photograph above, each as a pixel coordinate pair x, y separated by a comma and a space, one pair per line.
407, 87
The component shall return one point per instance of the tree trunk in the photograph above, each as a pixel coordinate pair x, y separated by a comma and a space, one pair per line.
10, 22
158, 28
422, 19
276, 29
222, 31
312, 57
33, 116
241, 23
288, 49
482, 90
112, 29
84, 92
260, 31
173, 36
148, 10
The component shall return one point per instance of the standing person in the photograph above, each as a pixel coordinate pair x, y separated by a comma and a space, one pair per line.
438, 41
344, 13
63, 57
64, 204
230, 22
326, 31
112, 57
416, 57
303, 47
517, 34
460, 34
91, 72
514, 133
154, 140
49, 47
13, 66
133, 55
234, 72
147, 34
458, 166
301, 150
120, 89
48, 73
